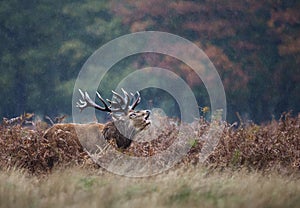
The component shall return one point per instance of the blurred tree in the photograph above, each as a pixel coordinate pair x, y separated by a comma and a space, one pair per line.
43, 46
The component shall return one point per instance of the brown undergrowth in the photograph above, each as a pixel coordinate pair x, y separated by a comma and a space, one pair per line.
275, 145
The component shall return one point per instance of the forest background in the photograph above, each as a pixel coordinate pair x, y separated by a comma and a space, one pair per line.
254, 45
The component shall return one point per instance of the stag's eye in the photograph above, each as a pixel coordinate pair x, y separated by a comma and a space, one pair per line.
132, 115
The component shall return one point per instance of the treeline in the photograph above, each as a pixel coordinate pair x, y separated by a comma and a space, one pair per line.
255, 46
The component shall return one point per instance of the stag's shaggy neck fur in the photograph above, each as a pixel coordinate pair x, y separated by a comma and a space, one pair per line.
125, 128
122, 134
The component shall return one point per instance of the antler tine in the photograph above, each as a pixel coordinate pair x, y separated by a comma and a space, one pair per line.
82, 104
106, 108
88, 102
136, 102
117, 103
119, 97
115, 106
127, 99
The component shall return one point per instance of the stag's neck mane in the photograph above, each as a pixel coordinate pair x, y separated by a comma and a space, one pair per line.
120, 130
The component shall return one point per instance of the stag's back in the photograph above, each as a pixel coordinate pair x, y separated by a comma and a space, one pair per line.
86, 135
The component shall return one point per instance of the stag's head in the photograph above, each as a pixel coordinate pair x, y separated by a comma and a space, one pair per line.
126, 119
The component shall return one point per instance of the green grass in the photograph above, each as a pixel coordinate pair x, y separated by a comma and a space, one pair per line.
183, 187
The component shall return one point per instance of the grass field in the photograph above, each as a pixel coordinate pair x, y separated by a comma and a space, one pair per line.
192, 186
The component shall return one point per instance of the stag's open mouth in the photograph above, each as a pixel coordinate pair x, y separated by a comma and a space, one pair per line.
148, 122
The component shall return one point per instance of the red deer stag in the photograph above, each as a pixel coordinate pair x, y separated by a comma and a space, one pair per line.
126, 122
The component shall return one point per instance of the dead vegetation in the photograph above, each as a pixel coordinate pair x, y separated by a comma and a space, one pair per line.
275, 145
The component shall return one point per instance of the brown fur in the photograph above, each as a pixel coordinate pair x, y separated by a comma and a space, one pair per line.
86, 134
110, 131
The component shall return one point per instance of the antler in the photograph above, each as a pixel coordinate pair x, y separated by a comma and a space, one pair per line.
88, 102
137, 100
117, 104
